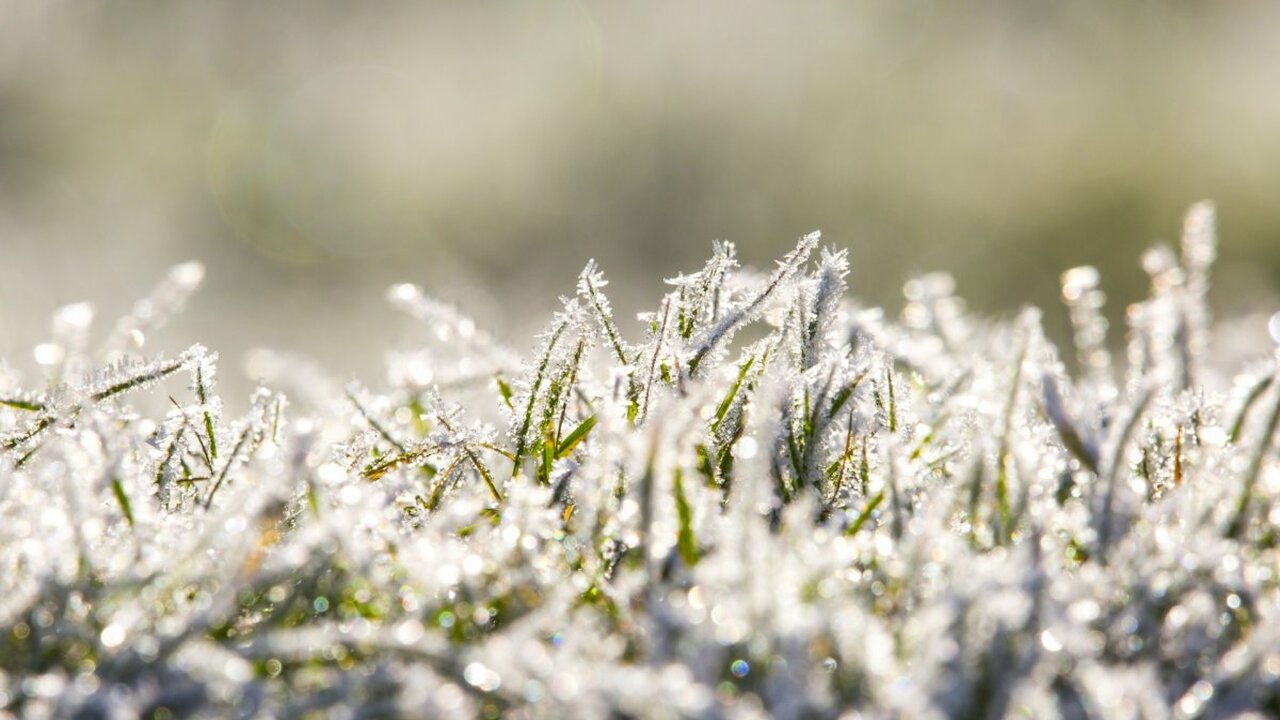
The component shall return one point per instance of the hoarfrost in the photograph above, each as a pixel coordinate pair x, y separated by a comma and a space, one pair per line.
923, 517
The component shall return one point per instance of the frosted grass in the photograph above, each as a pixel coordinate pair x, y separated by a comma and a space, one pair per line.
851, 515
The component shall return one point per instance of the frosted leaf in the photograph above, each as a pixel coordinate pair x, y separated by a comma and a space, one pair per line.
203, 365
832, 270
447, 322
1162, 345
591, 279
354, 453
750, 309
131, 374
1199, 237
259, 425
23, 400
1199, 249
590, 282
702, 297
1085, 302
1079, 440
449, 327
151, 313
546, 387
683, 280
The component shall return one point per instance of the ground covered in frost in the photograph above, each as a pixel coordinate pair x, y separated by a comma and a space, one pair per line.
768, 501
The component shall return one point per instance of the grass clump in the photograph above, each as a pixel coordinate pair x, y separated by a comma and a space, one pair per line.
922, 517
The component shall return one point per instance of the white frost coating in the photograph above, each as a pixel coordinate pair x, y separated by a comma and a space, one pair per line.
723, 330
929, 516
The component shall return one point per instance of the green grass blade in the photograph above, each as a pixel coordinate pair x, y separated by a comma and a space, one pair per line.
504, 390
865, 515
123, 498
22, 404
686, 542
727, 402
576, 436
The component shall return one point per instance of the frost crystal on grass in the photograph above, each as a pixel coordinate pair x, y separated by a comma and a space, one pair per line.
849, 516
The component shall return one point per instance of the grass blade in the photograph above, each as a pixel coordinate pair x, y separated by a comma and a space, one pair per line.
578, 434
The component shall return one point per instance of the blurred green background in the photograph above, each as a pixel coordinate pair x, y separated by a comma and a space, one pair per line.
311, 153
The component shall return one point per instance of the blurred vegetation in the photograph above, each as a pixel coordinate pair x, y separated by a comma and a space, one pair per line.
312, 153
